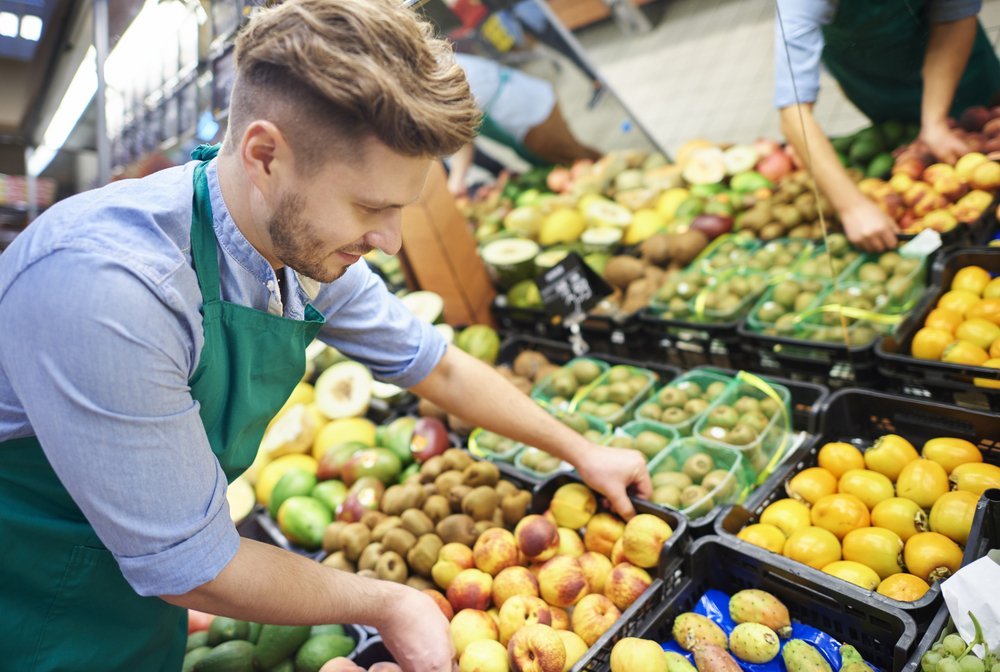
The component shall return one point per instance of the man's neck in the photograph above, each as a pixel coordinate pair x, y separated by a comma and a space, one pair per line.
236, 192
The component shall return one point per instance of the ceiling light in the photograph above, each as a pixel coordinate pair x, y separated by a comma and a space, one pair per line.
74, 103
31, 28
8, 24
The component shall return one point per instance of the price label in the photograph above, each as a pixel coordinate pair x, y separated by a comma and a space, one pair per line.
571, 287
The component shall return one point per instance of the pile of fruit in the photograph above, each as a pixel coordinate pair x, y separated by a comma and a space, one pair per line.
952, 654
883, 517
792, 211
219, 644
649, 438
870, 149
964, 326
752, 421
528, 458
613, 396
559, 388
751, 628
682, 401
695, 477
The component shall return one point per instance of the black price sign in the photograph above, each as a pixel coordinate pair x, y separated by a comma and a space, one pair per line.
571, 287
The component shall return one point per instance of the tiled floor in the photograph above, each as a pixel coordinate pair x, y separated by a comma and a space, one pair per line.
706, 69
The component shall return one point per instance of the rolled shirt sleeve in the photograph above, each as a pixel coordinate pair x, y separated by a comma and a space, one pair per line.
798, 47
946, 11
368, 324
100, 359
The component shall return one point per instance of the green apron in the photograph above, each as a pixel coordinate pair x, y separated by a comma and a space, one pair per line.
875, 49
64, 604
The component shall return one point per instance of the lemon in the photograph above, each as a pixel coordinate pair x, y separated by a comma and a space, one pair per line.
644, 224
562, 226
271, 473
360, 430
669, 201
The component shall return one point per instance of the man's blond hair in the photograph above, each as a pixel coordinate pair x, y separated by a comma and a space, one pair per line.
330, 73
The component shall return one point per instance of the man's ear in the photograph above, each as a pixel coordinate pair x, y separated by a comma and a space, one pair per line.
266, 156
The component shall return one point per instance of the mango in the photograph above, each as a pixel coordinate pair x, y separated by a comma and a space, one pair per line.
800, 656
693, 630
760, 606
712, 658
754, 643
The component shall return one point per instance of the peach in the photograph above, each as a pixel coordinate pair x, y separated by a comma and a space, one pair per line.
576, 648
951, 186
560, 618
513, 581
439, 599
471, 589
561, 581
929, 203
626, 583
632, 654
537, 537
618, 552
570, 542
917, 192
644, 537
495, 550
901, 182
471, 625
937, 170
573, 505
519, 611
602, 532
536, 648
596, 567
986, 176
593, 616
966, 165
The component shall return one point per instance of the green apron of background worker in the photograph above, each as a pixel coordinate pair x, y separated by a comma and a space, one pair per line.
84, 615
875, 50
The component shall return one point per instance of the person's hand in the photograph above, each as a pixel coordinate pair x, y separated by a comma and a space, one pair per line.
942, 142
345, 665
417, 634
868, 227
612, 472
456, 185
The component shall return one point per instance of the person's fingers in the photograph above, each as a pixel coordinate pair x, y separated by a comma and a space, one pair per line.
889, 239
643, 484
341, 665
621, 503
383, 667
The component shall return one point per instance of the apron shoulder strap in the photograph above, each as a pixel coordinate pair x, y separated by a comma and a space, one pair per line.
203, 248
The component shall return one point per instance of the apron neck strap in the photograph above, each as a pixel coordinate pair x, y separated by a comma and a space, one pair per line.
203, 247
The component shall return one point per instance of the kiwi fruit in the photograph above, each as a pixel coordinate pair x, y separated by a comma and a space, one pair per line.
480, 473
498, 517
432, 468
698, 466
674, 416
339, 561
455, 497
622, 442
416, 522
690, 498
585, 371
429, 489
746, 405
391, 567
373, 518
505, 488
456, 458
331, 536
424, 554
437, 508
354, 538
667, 495
483, 525
369, 556
367, 573
399, 541
458, 528
677, 479
413, 496
741, 435
720, 481
392, 500
528, 362
420, 583
447, 481
384, 526
480, 503
514, 507
650, 443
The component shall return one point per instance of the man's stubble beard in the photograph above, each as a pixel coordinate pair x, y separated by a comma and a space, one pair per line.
293, 244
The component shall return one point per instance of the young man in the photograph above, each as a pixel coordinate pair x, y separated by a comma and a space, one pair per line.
152, 327
919, 60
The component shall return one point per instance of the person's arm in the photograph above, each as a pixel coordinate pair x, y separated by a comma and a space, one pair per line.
266, 584
107, 394
866, 225
459, 166
464, 386
948, 49
798, 47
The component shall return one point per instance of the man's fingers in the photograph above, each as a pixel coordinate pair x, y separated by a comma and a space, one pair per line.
643, 484
341, 665
621, 504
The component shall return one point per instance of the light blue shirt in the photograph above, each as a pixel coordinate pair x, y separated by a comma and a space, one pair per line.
798, 37
100, 331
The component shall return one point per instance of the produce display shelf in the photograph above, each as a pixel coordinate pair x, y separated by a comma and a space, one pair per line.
620, 336
807, 398
882, 634
691, 344
985, 528
526, 321
860, 416
598, 655
933, 379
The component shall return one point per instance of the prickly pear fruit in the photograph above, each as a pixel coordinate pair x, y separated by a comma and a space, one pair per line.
851, 660
692, 630
759, 606
677, 663
802, 656
712, 658
754, 643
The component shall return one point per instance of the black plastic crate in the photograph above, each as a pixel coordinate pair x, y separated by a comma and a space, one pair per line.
619, 336
881, 634
525, 321
250, 527
985, 528
691, 344
852, 415
939, 380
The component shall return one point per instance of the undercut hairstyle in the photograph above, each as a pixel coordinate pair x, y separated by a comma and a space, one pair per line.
332, 73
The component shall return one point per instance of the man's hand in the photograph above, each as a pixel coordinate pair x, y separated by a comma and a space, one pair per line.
417, 634
868, 227
612, 472
943, 143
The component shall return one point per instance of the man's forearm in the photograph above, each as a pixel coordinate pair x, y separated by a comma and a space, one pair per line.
948, 50
266, 584
468, 388
802, 129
